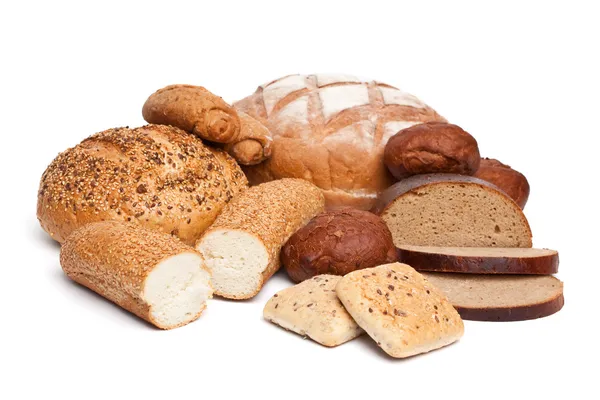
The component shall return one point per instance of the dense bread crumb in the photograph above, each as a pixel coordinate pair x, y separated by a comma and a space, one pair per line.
312, 309
400, 309
156, 176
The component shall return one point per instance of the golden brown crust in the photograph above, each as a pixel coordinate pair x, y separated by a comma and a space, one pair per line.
114, 259
155, 176
338, 242
432, 147
193, 109
253, 144
507, 179
342, 154
272, 211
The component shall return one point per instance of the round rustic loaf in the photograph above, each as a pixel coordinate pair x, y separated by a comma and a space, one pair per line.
331, 130
338, 242
431, 147
503, 176
156, 176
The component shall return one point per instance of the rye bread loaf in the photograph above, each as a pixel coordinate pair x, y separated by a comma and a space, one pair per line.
432, 147
452, 211
510, 181
500, 297
338, 242
331, 130
151, 274
155, 176
242, 248
399, 309
480, 260
312, 309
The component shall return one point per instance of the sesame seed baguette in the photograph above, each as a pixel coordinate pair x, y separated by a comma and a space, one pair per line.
243, 246
151, 274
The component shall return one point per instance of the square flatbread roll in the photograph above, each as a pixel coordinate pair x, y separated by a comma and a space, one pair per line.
312, 309
400, 309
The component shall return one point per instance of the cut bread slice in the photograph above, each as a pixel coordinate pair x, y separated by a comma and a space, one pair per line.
480, 260
149, 273
500, 297
399, 309
312, 309
242, 247
452, 210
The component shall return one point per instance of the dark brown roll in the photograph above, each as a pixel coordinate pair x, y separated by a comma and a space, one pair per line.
432, 147
338, 242
512, 182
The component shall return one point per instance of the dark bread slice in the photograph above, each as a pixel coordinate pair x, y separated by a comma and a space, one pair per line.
480, 260
500, 297
453, 211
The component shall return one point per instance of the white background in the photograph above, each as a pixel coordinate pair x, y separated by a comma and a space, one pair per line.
522, 77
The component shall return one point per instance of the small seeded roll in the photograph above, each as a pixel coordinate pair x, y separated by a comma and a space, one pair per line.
242, 248
151, 274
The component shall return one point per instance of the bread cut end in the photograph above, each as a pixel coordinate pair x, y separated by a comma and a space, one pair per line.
237, 261
177, 290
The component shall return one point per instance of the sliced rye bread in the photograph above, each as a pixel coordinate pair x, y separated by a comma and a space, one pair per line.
452, 210
480, 260
500, 297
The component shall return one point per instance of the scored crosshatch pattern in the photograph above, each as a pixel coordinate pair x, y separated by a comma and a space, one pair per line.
331, 129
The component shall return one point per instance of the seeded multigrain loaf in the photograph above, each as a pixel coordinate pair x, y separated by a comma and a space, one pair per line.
480, 260
404, 313
452, 211
151, 274
331, 129
337, 242
312, 309
154, 176
500, 297
242, 247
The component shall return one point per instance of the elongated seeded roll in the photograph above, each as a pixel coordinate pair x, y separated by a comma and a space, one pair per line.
151, 274
243, 246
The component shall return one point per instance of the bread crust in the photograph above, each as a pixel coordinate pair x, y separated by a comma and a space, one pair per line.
155, 176
437, 262
338, 242
512, 182
509, 314
114, 259
271, 212
431, 147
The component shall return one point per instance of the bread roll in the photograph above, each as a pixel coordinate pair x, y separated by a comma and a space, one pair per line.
451, 210
331, 130
156, 176
149, 273
254, 144
431, 147
242, 247
503, 176
338, 242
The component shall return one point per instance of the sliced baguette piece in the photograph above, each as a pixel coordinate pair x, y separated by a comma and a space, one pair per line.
242, 247
151, 274
500, 297
480, 260
312, 309
452, 210
404, 313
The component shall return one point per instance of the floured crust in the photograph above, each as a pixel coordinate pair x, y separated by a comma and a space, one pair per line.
400, 309
312, 309
331, 130
474, 260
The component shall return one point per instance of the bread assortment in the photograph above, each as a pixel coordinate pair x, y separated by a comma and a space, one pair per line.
432, 147
242, 247
154, 176
338, 242
312, 309
355, 186
151, 274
